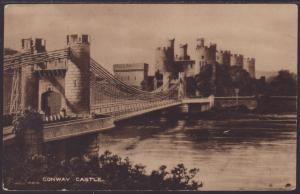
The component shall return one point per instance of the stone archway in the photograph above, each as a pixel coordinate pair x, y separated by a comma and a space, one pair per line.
51, 103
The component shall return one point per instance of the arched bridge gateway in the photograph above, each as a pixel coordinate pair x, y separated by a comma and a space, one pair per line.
74, 93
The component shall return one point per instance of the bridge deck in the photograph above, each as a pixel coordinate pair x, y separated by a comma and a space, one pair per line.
71, 128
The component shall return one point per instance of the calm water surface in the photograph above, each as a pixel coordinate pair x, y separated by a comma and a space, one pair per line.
248, 152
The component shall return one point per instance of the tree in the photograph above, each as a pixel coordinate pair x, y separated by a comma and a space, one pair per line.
283, 84
203, 80
191, 86
114, 173
242, 80
223, 81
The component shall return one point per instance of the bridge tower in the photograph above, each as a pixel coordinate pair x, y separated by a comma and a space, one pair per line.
29, 80
77, 79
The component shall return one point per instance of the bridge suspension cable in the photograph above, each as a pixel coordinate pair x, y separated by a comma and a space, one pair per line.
105, 86
17, 61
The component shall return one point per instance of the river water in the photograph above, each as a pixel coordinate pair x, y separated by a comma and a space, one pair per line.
233, 152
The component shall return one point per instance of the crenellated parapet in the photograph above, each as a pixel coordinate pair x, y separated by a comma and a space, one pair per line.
36, 45
223, 57
237, 59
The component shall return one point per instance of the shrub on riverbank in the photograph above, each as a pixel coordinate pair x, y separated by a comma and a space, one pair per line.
113, 172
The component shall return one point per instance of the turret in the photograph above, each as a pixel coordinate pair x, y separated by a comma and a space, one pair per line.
77, 79
233, 59
29, 80
164, 57
202, 55
250, 66
240, 60
37, 45
200, 42
226, 58
220, 57
183, 52
212, 54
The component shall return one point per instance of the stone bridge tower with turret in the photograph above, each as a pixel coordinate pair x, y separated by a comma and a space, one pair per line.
58, 84
77, 79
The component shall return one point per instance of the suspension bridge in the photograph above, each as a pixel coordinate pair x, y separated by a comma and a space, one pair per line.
75, 94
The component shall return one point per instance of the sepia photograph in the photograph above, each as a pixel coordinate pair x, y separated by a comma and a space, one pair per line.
150, 97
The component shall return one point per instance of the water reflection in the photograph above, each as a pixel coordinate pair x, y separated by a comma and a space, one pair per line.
251, 152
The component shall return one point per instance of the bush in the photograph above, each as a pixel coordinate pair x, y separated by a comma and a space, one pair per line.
115, 174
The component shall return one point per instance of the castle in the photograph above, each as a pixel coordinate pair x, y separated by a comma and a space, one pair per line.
169, 65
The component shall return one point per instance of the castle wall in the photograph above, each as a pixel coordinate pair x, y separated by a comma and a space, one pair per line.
189, 70
132, 74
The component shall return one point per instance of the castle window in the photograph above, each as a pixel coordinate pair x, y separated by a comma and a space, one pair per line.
75, 83
202, 57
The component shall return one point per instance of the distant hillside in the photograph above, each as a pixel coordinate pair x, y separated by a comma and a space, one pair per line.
8, 51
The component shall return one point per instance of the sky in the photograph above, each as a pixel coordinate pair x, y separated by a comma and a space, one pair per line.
129, 33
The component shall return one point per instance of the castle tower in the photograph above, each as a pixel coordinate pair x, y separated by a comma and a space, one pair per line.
164, 57
29, 80
250, 66
170, 45
240, 61
226, 58
200, 42
212, 54
183, 52
233, 59
164, 60
212, 61
77, 79
220, 57
160, 59
202, 55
